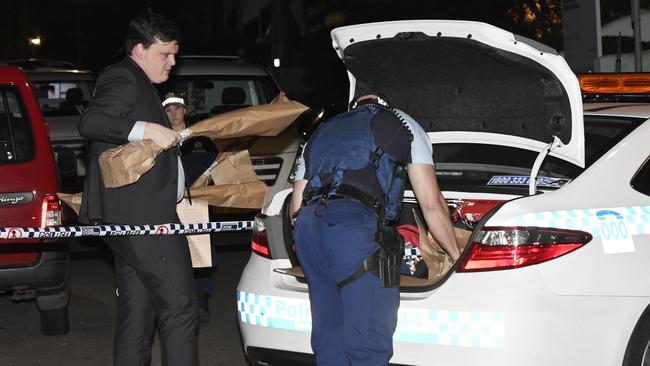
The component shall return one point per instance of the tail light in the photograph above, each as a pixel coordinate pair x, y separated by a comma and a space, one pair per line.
497, 248
50, 211
259, 240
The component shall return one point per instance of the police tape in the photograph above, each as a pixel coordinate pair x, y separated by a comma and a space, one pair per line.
123, 230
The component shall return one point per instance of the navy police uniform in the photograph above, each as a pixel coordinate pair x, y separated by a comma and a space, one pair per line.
353, 324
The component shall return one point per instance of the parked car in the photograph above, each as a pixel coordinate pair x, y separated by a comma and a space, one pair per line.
218, 84
63, 91
30, 268
553, 266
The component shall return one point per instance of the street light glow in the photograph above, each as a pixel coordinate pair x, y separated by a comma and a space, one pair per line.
35, 41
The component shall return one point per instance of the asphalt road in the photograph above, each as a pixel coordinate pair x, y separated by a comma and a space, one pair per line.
92, 314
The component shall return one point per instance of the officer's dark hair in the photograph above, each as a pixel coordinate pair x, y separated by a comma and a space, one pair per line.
147, 27
381, 99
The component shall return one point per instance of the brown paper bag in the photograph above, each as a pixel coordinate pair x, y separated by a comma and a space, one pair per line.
437, 260
199, 245
126, 164
233, 168
262, 120
246, 195
73, 200
235, 182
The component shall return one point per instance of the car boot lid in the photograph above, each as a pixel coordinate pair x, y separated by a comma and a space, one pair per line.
469, 82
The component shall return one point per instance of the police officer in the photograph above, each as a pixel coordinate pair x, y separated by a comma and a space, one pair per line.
340, 205
197, 154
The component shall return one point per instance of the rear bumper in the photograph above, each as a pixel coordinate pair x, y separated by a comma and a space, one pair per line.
500, 318
48, 273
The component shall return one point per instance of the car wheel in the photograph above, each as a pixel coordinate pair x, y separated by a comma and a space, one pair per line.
55, 322
638, 348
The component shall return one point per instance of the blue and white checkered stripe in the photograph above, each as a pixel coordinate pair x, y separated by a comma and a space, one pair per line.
274, 312
450, 327
635, 219
123, 230
430, 326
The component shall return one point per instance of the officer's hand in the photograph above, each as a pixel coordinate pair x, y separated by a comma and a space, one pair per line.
161, 135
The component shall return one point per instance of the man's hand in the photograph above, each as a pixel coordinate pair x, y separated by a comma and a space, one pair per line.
161, 135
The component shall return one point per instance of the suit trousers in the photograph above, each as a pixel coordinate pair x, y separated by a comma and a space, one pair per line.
154, 283
354, 325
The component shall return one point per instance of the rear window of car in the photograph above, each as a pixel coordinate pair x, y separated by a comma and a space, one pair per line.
492, 168
16, 137
64, 97
641, 181
209, 95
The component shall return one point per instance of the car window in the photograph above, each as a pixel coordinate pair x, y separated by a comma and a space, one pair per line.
209, 95
63, 98
602, 133
16, 138
641, 181
465, 165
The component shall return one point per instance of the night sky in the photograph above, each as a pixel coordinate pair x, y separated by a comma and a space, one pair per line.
91, 34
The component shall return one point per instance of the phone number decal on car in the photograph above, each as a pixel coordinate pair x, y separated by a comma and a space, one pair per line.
524, 180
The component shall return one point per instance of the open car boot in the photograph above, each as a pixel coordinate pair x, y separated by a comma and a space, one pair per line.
438, 262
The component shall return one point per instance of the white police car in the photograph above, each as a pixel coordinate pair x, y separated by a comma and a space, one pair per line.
555, 269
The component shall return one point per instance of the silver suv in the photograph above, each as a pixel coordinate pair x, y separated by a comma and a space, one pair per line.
63, 91
218, 84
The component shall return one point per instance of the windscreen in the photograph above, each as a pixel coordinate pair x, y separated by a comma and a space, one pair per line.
63, 97
206, 96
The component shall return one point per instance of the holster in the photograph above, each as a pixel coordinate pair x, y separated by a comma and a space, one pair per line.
389, 256
386, 262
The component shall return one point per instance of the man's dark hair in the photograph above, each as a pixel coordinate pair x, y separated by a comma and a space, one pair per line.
147, 27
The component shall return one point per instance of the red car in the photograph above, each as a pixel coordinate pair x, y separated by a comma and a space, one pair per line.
30, 268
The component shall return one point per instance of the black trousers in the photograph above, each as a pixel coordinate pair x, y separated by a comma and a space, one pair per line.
154, 283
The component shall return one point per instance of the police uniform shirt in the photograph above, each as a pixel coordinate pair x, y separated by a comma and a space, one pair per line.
391, 136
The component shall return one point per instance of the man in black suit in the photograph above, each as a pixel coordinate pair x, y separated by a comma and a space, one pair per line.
153, 274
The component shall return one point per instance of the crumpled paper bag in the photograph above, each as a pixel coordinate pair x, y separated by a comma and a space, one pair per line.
199, 245
73, 200
127, 163
248, 195
275, 117
235, 182
436, 258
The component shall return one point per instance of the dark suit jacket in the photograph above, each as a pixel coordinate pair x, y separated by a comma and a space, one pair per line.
123, 95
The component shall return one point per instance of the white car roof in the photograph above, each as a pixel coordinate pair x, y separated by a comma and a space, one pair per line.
634, 110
